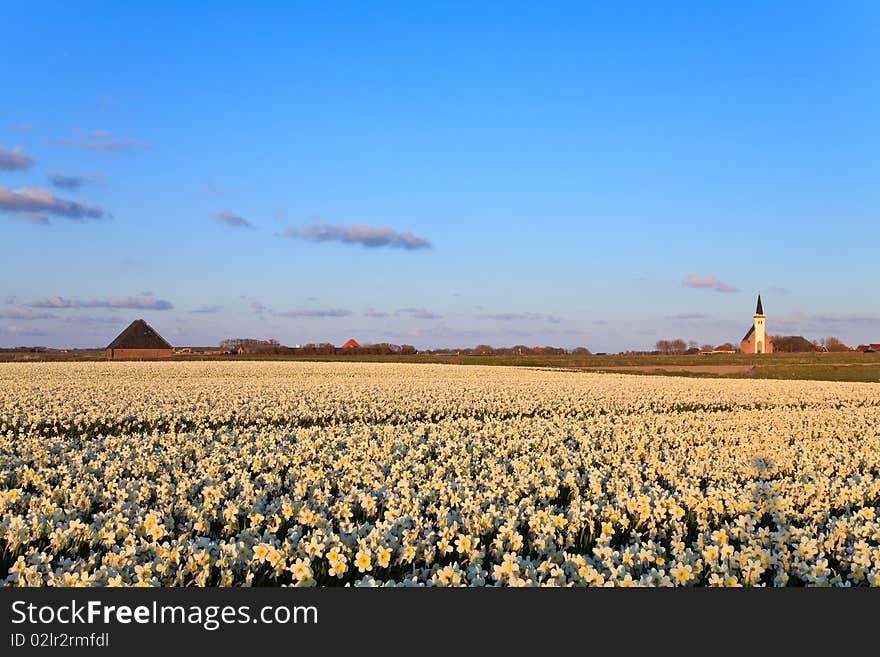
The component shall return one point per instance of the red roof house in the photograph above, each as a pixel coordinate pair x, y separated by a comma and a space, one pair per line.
351, 344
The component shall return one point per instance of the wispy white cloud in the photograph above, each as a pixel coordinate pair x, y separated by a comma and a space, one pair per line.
232, 220
73, 181
91, 320
40, 202
799, 318
27, 314
34, 218
522, 317
144, 302
315, 312
368, 236
418, 313
101, 141
707, 282
14, 160
30, 331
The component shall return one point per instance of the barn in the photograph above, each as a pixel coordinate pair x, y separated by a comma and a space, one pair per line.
139, 340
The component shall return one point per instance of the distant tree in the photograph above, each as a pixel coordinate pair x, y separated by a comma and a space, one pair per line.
707, 347
832, 343
792, 344
667, 347
252, 346
581, 351
380, 349
407, 349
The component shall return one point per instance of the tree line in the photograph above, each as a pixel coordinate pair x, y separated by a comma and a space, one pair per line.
515, 350
673, 347
272, 346
798, 343
781, 344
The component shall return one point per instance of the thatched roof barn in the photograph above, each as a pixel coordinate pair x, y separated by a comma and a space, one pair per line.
139, 340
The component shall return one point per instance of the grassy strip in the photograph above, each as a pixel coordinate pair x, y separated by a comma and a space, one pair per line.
840, 366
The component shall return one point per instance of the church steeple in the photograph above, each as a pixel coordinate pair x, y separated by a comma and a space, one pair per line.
756, 340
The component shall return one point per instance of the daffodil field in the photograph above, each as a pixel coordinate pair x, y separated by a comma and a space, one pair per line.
334, 474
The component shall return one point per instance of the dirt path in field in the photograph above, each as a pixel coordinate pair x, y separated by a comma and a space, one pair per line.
697, 369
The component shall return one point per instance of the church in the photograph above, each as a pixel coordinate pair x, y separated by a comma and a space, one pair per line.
756, 340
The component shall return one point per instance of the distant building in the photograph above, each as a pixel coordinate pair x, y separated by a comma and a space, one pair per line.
139, 340
869, 347
720, 349
351, 344
756, 341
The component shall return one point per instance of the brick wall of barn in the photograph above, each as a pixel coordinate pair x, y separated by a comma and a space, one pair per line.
118, 354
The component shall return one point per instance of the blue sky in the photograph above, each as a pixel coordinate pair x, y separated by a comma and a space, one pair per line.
439, 174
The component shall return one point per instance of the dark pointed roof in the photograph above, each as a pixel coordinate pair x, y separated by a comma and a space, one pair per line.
139, 335
749, 334
760, 309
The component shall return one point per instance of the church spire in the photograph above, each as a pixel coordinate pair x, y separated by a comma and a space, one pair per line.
760, 309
